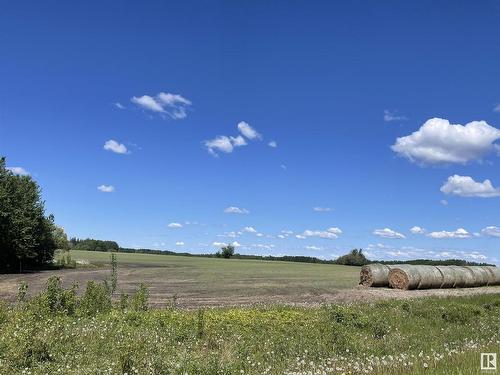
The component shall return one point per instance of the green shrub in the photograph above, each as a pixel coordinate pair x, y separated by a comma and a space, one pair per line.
22, 291
96, 299
124, 303
140, 299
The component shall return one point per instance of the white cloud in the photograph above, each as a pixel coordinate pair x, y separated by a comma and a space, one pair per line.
388, 233
287, 232
438, 141
444, 202
106, 188
322, 209
273, 144
459, 233
222, 244
219, 244
497, 108
238, 141
249, 230
465, 186
417, 230
281, 236
174, 225
300, 237
173, 105
393, 116
330, 233
314, 248
219, 143
20, 171
116, 147
224, 143
248, 131
491, 231
179, 243
119, 105
236, 210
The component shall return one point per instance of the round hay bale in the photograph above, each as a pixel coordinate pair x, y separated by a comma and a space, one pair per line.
430, 277
461, 275
374, 275
470, 277
404, 277
450, 276
480, 275
493, 275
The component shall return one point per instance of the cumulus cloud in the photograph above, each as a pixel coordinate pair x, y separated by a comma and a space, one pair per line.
273, 144
164, 103
236, 210
20, 171
465, 186
179, 243
459, 233
227, 144
417, 230
388, 233
238, 141
248, 131
322, 209
330, 233
438, 141
491, 231
222, 244
116, 147
174, 225
314, 248
300, 237
106, 188
250, 230
393, 116
220, 143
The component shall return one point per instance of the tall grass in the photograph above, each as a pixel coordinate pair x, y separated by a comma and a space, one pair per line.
58, 332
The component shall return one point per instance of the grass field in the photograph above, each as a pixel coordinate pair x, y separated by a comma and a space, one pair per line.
202, 281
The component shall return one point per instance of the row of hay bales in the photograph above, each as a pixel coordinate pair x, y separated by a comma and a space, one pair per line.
406, 276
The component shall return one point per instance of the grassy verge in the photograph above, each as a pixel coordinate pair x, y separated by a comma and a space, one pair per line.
60, 333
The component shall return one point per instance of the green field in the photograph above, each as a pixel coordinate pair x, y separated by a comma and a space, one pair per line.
215, 279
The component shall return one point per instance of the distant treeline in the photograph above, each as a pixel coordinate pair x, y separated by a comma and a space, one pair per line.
90, 244
353, 258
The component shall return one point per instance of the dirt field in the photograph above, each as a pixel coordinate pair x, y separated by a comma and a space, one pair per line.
219, 282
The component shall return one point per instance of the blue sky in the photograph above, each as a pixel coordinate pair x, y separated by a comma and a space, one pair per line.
134, 116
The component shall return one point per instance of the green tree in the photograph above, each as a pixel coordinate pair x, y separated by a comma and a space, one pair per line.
25, 232
60, 238
354, 258
227, 251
